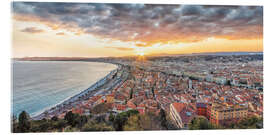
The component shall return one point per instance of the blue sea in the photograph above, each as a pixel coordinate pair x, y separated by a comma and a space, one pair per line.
40, 85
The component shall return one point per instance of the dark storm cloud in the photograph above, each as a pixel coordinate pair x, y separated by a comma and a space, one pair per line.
32, 30
147, 23
187, 10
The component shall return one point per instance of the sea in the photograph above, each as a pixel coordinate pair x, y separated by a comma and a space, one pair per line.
40, 85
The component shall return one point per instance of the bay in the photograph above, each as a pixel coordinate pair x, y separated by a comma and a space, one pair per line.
39, 85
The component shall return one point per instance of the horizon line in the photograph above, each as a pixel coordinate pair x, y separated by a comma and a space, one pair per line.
149, 55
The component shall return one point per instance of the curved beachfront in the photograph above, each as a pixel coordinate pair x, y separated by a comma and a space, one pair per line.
91, 91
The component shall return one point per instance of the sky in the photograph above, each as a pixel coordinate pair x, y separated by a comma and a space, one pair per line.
44, 29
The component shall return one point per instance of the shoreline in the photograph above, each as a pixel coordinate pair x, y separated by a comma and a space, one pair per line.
91, 91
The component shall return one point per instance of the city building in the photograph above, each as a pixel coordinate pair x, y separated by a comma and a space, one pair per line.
110, 98
224, 114
181, 114
201, 109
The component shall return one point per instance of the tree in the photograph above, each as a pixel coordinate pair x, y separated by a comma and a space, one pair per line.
132, 112
75, 119
71, 118
24, 122
92, 126
14, 124
162, 117
121, 119
149, 121
60, 124
45, 126
131, 94
200, 123
14, 119
111, 117
54, 118
250, 123
81, 120
153, 92
133, 124
101, 118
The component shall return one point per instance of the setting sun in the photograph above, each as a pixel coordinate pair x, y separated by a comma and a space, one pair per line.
140, 51
141, 54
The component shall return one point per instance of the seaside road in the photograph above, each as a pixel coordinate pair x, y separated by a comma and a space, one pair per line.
110, 84
103, 89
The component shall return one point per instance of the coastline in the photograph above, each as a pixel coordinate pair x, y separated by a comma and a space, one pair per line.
91, 91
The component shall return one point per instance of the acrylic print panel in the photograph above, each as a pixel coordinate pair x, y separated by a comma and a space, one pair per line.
129, 67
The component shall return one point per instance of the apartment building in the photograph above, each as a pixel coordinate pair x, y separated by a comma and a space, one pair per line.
224, 114
181, 114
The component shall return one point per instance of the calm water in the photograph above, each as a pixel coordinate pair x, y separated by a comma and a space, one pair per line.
37, 86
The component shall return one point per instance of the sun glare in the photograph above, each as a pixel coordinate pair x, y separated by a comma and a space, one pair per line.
141, 53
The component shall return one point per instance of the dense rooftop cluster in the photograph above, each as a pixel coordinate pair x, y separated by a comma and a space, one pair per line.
185, 87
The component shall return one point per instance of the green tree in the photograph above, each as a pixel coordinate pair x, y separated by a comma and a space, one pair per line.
153, 92
132, 112
54, 118
111, 117
24, 122
59, 124
249, 123
200, 123
131, 94
69, 117
162, 117
73, 119
71, 129
81, 120
121, 119
45, 126
14, 119
133, 124
93, 126
76, 120
150, 121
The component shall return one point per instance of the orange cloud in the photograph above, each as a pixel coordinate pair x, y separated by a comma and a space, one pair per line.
60, 33
149, 24
122, 48
32, 30
143, 45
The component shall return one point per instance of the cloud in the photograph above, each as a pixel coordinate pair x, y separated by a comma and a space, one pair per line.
122, 48
143, 45
32, 30
146, 23
60, 33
